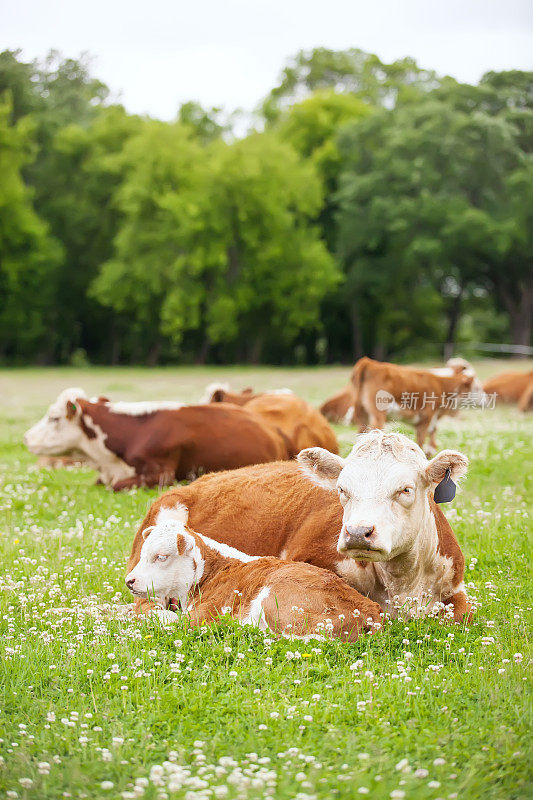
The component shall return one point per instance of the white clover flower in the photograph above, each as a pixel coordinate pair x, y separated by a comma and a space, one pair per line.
421, 773
106, 785
403, 765
438, 762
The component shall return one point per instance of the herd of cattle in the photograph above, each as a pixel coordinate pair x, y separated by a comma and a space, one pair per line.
282, 532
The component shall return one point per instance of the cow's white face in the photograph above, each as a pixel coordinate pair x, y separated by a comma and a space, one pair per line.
59, 431
169, 565
383, 488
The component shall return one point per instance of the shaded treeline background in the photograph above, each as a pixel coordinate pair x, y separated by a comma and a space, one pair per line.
372, 208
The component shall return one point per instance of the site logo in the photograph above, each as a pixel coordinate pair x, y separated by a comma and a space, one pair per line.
384, 400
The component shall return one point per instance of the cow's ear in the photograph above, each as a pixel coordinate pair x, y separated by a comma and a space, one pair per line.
321, 466
184, 543
72, 409
218, 396
451, 460
248, 390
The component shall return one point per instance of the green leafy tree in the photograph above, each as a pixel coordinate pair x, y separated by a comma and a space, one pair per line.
420, 199
352, 70
218, 241
29, 257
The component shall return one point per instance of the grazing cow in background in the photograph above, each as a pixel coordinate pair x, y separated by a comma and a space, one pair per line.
512, 387
460, 366
303, 425
182, 568
392, 543
414, 395
340, 407
144, 444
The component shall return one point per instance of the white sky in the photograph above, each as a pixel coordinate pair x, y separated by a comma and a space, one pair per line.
155, 54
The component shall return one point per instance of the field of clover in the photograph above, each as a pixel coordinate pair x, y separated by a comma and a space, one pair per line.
95, 703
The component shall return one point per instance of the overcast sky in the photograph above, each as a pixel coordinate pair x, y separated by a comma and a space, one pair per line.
155, 54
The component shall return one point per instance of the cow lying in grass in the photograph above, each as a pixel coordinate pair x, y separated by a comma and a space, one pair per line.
303, 425
182, 568
151, 444
512, 387
370, 518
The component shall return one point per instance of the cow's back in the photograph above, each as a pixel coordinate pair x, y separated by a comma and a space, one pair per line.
264, 510
303, 425
222, 436
509, 386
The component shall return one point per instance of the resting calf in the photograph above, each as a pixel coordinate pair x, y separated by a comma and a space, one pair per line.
181, 567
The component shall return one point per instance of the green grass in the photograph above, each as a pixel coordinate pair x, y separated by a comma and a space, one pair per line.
423, 709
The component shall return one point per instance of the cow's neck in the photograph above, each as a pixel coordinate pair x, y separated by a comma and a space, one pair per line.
421, 573
217, 558
98, 443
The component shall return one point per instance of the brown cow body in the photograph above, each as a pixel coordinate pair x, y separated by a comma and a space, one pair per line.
209, 580
512, 387
429, 396
340, 407
177, 444
274, 510
303, 425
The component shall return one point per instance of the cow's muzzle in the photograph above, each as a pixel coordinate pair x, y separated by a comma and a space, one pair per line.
359, 538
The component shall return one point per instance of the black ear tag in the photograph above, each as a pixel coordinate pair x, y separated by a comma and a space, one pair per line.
445, 490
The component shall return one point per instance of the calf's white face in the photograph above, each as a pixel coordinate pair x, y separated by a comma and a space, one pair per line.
383, 487
169, 565
58, 432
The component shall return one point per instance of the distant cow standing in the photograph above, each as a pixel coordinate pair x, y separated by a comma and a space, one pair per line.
341, 407
303, 425
381, 388
149, 445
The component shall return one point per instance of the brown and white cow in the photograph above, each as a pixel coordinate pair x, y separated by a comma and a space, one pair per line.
512, 387
340, 407
417, 396
292, 511
145, 444
303, 425
179, 567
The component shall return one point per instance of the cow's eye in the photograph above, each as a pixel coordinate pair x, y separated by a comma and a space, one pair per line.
53, 419
343, 495
408, 491
161, 557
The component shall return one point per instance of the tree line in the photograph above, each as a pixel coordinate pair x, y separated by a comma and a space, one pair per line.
372, 208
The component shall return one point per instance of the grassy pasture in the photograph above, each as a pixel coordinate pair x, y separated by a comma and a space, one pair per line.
96, 706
